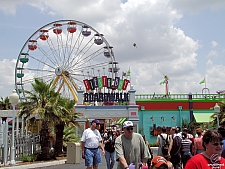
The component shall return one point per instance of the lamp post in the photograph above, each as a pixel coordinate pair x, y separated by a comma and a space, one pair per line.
13, 99
217, 111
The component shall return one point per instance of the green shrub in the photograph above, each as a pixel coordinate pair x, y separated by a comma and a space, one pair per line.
28, 158
152, 145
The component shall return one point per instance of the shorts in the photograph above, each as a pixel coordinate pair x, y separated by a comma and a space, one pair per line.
92, 157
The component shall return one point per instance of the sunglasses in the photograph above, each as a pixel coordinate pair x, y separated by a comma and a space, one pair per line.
216, 144
130, 128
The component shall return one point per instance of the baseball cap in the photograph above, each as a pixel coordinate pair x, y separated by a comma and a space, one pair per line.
127, 124
95, 121
157, 161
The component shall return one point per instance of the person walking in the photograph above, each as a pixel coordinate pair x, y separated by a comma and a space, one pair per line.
198, 142
161, 141
130, 148
90, 143
174, 152
186, 148
221, 130
109, 142
211, 157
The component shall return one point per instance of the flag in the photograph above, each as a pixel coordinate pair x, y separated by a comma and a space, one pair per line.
203, 81
163, 82
128, 73
123, 73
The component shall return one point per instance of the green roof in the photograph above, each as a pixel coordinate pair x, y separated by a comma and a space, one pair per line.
121, 121
203, 117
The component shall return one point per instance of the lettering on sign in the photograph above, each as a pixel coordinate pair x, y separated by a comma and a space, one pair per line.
106, 97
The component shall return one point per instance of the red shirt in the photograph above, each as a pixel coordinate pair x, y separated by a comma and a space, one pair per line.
199, 161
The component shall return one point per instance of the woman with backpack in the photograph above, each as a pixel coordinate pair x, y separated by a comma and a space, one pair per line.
163, 141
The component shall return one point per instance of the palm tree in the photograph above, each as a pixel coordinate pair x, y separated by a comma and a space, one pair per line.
4, 104
69, 135
50, 106
67, 117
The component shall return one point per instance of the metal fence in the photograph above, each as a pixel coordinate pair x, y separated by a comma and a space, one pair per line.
24, 145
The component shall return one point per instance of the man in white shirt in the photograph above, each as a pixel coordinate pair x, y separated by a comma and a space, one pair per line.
91, 141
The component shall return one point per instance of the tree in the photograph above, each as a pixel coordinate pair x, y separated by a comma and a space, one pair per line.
67, 118
69, 135
4, 104
50, 106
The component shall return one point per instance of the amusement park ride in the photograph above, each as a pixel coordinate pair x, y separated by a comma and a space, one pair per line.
70, 54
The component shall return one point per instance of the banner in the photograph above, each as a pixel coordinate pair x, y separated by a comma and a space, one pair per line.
87, 84
116, 82
91, 84
100, 83
95, 81
104, 81
120, 84
109, 83
125, 84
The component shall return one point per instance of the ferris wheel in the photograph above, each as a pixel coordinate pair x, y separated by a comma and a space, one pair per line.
64, 52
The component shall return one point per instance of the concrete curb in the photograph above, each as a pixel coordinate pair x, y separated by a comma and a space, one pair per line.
36, 165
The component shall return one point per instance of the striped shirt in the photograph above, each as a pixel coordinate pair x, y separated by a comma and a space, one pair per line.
186, 145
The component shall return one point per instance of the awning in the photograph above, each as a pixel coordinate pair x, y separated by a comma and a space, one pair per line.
203, 117
121, 121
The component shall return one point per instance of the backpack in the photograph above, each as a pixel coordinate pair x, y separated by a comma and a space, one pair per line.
165, 145
176, 146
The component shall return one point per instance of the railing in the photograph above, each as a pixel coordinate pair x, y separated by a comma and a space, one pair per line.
139, 97
24, 145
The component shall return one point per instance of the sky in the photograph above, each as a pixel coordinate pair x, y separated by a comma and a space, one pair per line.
184, 40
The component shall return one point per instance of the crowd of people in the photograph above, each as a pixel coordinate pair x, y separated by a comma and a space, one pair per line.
177, 149
202, 151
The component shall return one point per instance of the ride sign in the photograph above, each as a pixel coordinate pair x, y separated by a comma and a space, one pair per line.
106, 97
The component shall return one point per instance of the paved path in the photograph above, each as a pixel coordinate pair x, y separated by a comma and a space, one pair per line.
60, 164
81, 164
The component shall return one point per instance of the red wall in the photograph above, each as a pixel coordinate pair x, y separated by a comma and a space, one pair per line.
174, 105
203, 105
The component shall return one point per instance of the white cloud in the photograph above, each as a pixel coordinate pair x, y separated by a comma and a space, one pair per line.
193, 6
214, 44
7, 71
213, 53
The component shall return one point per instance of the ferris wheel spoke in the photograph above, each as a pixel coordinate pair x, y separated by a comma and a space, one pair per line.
71, 44
54, 62
99, 65
75, 77
53, 50
76, 55
44, 63
59, 46
87, 46
86, 59
39, 70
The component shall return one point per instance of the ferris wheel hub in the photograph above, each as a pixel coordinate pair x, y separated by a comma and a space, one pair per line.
58, 71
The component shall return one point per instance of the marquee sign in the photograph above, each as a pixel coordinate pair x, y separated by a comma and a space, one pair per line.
99, 83
104, 81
